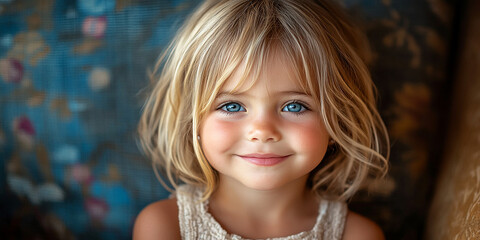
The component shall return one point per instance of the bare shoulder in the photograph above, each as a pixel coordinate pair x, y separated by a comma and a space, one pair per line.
159, 220
358, 227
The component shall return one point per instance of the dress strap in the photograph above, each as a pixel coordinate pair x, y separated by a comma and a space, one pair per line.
187, 210
331, 219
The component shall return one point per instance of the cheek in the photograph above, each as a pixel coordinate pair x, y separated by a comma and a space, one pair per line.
218, 136
311, 137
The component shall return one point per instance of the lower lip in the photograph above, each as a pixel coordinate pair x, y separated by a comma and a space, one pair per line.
264, 161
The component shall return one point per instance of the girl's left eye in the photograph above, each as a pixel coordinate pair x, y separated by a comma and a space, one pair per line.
294, 107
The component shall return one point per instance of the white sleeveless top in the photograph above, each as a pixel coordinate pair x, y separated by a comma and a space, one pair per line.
196, 222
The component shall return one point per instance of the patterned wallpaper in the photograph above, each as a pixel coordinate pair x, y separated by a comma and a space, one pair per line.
71, 79
455, 211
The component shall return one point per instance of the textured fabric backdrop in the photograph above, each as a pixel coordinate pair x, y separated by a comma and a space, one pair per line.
71, 74
455, 210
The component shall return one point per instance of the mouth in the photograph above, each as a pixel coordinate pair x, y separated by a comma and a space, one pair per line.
264, 159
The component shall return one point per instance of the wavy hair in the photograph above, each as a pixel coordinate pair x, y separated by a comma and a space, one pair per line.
328, 54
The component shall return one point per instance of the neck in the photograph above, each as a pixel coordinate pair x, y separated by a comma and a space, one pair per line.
279, 199
263, 209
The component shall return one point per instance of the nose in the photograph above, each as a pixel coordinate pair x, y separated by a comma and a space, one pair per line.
264, 129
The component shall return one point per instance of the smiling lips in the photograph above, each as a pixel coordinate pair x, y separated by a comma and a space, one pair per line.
264, 159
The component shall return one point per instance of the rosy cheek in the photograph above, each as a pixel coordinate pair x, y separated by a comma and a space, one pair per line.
217, 135
311, 137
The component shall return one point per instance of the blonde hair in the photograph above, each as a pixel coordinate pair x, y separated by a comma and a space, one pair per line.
327, 52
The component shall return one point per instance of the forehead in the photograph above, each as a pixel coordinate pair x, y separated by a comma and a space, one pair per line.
276, 71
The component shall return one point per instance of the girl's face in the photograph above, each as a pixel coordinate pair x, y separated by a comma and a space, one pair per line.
265, 136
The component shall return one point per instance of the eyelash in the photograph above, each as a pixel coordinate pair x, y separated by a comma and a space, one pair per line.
226, 104
304, 105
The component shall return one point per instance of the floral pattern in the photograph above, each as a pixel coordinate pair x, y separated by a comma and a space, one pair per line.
71, 80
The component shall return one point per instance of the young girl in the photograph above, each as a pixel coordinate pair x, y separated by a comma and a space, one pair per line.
263, 119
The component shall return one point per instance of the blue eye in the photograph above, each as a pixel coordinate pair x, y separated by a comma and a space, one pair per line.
294, 107
232, 107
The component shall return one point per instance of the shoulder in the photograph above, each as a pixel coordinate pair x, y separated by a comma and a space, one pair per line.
358, 227
159, 220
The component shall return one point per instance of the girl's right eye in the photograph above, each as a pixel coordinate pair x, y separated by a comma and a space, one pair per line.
232, 107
